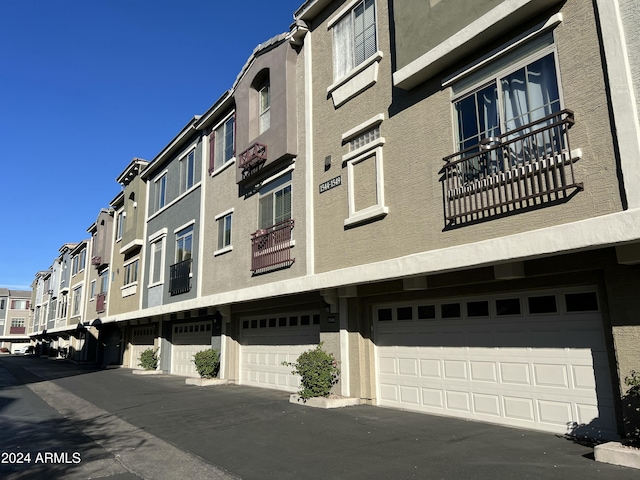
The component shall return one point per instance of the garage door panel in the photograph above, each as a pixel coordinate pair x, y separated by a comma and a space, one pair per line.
536, 371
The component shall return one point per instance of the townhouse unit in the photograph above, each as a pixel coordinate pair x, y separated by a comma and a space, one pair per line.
444, 195
14, 317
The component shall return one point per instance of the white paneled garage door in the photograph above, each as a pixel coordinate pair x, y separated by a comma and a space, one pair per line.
269, 341
141, 339
187, 340
533, 360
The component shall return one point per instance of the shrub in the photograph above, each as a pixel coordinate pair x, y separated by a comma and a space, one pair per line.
149, 359
318, 371
632, 401
207, 363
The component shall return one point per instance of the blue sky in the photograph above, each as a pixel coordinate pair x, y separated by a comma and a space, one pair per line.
86, 85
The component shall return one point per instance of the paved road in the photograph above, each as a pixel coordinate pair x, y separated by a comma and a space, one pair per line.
157, 427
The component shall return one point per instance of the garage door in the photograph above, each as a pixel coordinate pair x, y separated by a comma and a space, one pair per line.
536, 361
141, 339
267, 342
188, 339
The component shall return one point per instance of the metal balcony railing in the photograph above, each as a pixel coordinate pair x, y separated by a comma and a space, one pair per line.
180, 277
526, 167
101, 300
271, 247
17, 330
253, 157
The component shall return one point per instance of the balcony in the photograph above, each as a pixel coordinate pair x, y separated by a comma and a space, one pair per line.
17, 330
252, 158
526, 168
96, 261
271, 248
101, 300
180, 277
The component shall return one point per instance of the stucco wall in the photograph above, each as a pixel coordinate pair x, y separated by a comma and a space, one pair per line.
418, 132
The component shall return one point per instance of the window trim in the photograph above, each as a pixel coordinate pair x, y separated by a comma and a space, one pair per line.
217, 218
154, 239
180, 234
266, 113
271, 190
125, 266
120, 216
213, 169
156, 195
184, 173
378, 210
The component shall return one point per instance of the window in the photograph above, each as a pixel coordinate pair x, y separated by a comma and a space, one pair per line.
119, 225
224, 231
2, 304
93, 289
157, 261
19, 304
184, 244
131, 272
265, 107
364, 138
223, 148
161, 192
74, 265
17, 322
78, 263
83, 259
275, 207
354, 38
77, 294
104, 281
507, 101
187, 171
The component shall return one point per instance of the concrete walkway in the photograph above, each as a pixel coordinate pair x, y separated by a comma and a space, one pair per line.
250, 433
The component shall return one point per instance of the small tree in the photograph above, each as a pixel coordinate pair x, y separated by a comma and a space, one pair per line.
207, 363
318, 371
149, 359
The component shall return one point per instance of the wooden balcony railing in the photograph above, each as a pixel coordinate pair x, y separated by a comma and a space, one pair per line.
271, 247
524, 168
101, 300
180, 277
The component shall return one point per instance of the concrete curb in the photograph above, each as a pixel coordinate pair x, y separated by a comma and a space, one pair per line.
147, 372
617, 453
205, 382
322, 402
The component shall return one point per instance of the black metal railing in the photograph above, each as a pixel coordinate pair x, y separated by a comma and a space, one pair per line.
180, 277
527, 166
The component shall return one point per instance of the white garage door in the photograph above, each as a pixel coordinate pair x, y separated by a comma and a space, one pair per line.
267, 342
141, 339
189, 339
536, 361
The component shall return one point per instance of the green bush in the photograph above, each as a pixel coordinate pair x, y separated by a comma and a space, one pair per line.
149, 359
318, 371
207, 363
632, 403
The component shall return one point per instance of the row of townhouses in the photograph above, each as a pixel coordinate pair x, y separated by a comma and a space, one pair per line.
445, 193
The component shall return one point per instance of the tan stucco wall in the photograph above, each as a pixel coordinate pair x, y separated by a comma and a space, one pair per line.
231, 270
418, 133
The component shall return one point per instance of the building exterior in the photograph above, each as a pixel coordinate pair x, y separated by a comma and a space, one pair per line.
441, 193
14, 317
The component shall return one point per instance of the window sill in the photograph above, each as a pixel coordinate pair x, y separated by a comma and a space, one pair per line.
366, 215
223, 250
128, 290
153, 285
356, 81
223, 167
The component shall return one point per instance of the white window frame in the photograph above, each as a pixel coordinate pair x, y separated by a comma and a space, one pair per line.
491, 74
371, 151
181, 234
220, 220
160, 191
187, 166
264, 111
76, 306
158, 238
220, 131
132, 280
119, 225
272, 192
92, 290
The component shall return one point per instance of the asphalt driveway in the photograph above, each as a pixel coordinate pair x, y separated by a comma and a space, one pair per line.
256, 434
